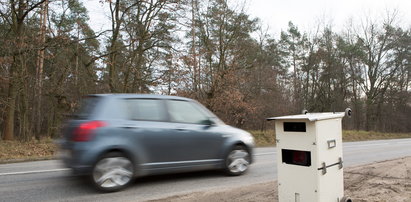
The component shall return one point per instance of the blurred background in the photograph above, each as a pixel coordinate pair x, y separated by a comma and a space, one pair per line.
216, 51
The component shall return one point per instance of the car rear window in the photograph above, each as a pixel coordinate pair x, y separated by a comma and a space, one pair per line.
88, 104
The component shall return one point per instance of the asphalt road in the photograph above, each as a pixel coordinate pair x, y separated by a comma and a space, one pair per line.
49, 181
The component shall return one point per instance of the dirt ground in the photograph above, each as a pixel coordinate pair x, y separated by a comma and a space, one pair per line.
384, 181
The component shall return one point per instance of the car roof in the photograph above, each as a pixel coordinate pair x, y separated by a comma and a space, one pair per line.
146, 96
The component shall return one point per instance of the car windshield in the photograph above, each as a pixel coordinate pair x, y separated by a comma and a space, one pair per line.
209, 113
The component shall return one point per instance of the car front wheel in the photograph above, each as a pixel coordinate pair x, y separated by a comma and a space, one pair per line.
113, 172
237, 161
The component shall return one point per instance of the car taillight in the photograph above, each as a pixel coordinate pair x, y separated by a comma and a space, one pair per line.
85, 131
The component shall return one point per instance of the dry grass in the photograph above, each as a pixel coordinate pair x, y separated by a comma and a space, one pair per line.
13, 151
263, 138
267, 138
353, 135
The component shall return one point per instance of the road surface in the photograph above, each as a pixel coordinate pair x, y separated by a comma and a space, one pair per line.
50, 181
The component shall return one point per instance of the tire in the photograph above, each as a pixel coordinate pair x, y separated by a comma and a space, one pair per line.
237, 161
112, 172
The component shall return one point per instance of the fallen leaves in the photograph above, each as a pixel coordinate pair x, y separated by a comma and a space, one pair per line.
15, 150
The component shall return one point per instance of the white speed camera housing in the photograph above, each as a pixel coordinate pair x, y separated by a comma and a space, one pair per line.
309, 157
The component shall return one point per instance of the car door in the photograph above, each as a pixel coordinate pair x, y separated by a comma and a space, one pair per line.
152, 132
197, 141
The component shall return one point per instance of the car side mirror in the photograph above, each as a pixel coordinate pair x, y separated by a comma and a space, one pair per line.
208, 122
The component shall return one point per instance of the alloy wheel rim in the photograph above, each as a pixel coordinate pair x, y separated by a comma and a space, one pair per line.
238, 161
113, 172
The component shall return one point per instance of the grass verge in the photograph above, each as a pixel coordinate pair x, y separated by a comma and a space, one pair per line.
353, 135
267, 137
15, 151
263, 138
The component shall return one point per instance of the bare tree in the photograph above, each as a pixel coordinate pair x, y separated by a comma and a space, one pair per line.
15, 15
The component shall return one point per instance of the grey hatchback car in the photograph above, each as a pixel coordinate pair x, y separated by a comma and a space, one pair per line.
116, 137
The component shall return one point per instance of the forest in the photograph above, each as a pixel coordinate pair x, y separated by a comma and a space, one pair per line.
210, 50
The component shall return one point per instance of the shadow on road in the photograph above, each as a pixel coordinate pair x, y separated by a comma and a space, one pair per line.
165, 178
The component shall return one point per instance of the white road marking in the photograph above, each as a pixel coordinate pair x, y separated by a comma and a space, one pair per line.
378, 144
267, 153
66, 169
366, 145
36, 171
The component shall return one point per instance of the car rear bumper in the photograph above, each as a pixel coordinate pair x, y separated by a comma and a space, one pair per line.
76, 165
79, 159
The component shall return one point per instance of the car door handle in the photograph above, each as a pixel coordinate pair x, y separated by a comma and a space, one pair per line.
130, 127
181, 129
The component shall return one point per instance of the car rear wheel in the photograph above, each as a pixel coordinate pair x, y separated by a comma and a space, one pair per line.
113, 172
237, 161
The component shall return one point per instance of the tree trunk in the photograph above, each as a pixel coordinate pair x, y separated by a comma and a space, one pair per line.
8, 132
193, 48
39, 70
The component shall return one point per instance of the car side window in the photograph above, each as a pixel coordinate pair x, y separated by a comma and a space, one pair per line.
185, 112
146, 109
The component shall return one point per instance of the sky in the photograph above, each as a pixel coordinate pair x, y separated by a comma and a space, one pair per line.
306, 14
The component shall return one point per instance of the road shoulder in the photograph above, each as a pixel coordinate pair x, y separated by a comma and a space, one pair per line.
381, 181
